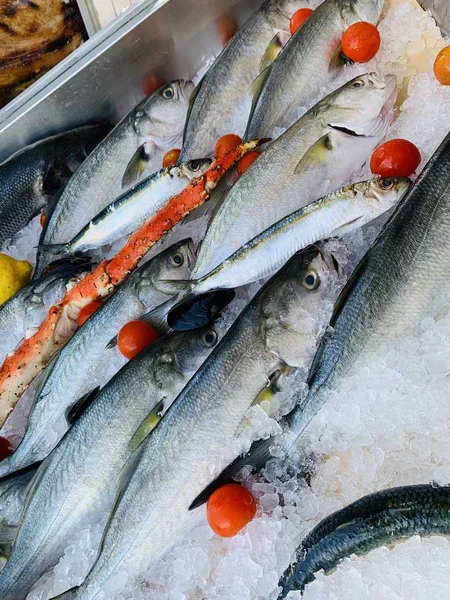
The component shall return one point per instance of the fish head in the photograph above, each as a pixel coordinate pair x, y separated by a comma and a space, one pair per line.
175, 262
194, 168
162, 115
383, 193
362, 106
368, 10
297, 310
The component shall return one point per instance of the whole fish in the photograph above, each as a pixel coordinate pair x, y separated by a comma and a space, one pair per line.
306, 64
30, 177
29, 305
68, 378
177, 460
218, 101
78, 481
379, 519
13, 491
313, 157
390, 288
125, 214
340, 212
156, 122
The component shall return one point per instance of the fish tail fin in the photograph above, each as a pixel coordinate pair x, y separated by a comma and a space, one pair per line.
192, 311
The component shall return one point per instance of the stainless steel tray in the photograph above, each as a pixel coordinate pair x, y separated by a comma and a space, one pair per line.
104, 78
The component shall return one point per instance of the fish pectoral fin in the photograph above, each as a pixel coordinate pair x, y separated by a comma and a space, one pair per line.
157, 317
315, 154
147, 425
256, 89
136, 167
192, 100
273, 50
112, 343
256, 457
350, 226
337, 61
75, 411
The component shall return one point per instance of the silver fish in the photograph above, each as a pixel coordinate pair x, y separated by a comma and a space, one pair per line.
219, 98
305, 66
175, 463
125, 214
68, 377
13, 491
156, 122
77, 482
313, 157
34, 174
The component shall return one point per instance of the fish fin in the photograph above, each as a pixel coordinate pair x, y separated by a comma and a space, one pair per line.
75, 411
340, 302
192, 100
135, 168
272, 50
157, 317
256, 457
34, 483
256, 89
325, 339
69, 595
196, 311
53, 248
112, 343
147, 426
69, 265
314, 154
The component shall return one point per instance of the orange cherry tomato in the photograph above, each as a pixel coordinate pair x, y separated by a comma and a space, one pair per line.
5, 448
229, 509
226, 28
87, 311
246, 161
171, 157
442, 66
42, 219
134, 337
298, 18
226, 143
395, 158
361, 42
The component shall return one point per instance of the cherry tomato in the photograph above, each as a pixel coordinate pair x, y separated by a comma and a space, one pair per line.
171, 157
246, 161
298, 18
227, 143
5, 448
134, 337
152, 83
226, 28
87, 311
42, 219
395, 158
361, 42
229, 509
442, 66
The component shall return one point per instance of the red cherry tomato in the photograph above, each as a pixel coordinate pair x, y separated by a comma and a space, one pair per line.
152, 83
361, 42
226, 28
298, 18
42, 219
246, 161
227, 143
87, 311
171, 157
442, 66
134, 337
5, 448
229, 509
395, 158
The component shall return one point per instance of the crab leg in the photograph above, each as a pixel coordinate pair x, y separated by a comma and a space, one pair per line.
31, 357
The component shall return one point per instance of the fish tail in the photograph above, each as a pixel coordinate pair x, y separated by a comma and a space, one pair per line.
53, 249
194, 311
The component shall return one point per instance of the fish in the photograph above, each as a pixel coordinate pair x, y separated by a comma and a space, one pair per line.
219, 98
177, 460
316, 155
67, 379
30, 177
77, 482
125, 214
306, 64
155, 123
28, 305
337, 213
379, 519
13, 491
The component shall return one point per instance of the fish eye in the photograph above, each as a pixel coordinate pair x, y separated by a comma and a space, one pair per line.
386, 183
209, 338
194, 165
168, 93
358, 83
311, 280
177, 259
